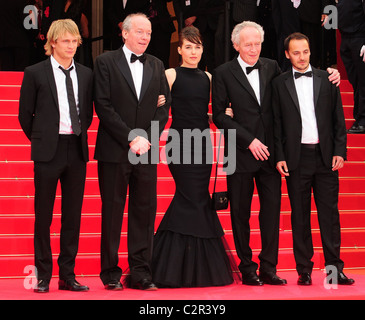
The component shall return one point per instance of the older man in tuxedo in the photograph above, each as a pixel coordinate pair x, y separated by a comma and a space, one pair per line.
127, 84
55, 112
310, 148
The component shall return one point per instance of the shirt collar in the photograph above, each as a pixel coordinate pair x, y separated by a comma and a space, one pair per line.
56, 65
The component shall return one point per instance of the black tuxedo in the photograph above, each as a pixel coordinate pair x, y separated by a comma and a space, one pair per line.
15, 40
56, 158
251, 120
210, 22
286, 21
310, 165
116, 13
244, 10
120, 111
310, 12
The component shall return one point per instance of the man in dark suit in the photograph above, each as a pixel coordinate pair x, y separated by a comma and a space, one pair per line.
55, 111
310, 148
117, 11
286, 21
208, 17
162, 29
249, 93
126, 92
351, 23
14, 38
311, 21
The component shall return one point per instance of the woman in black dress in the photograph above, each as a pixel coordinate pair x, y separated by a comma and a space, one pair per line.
188, 245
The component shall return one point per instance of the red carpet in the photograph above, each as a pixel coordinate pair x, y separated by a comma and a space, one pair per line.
13, 289
16, 221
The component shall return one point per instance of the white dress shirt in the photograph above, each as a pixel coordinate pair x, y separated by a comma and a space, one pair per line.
136, 70
253, 78
304, 88
64, 108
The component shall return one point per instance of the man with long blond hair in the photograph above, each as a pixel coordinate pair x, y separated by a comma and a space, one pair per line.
55, 111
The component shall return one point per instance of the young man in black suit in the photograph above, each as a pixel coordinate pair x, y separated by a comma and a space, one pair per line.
55, 112
127, 85
351, 23
310, 148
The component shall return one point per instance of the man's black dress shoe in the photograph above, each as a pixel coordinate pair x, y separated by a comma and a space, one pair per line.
271, 278
42, 286
71, 285
356, 129
343, 280
251, 279
114, 285
305, 279
145, 284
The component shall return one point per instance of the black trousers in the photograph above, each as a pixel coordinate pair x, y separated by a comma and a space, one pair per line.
69, 168
114, 180
312, 174
355, 69
241, 188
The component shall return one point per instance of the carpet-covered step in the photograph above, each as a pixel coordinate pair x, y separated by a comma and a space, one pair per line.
8, 106
348, 219
90, 242
11, 92
89, 264
17, 152
24, 169
11, 78
25, 205
25, 186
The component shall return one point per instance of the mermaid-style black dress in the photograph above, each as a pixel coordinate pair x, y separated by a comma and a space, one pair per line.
188, 245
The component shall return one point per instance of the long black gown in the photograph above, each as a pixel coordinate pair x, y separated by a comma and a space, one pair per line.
188, 245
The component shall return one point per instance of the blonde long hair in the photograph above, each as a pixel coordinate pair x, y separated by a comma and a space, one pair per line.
58, 29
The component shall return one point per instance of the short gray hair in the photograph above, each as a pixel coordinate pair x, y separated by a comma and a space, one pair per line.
235, 38
127, 23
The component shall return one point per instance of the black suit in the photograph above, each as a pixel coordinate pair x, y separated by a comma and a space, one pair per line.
56, 157
162, 29
311, 168
14, 38
120, 111
310, 12
251, 120
351, 23
244, 10
116, 14
210, 22
286, 21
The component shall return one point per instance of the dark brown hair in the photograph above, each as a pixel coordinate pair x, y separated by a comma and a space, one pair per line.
294, 36
191, 34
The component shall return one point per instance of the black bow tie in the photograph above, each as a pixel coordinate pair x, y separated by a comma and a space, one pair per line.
256, 66
300, 74
141, 58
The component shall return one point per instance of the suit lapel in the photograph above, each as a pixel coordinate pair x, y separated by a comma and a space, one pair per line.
51, 80
241, 77
80, 83
316, 87
123, 66
147, 76
262, 79
289, 82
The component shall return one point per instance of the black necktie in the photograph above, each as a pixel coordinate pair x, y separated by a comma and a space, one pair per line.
76, 128
256, 66
141, 58
300, 74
